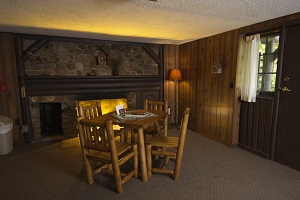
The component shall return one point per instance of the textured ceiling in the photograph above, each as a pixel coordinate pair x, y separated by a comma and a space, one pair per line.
164, 21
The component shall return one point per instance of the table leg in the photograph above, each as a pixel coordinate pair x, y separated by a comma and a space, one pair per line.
143, 164
125, 134
157, 128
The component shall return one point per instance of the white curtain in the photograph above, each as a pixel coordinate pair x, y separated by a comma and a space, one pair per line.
248, 60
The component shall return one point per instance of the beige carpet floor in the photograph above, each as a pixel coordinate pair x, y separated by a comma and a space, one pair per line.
46, 170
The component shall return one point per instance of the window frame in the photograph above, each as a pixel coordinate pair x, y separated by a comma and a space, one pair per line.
277, 73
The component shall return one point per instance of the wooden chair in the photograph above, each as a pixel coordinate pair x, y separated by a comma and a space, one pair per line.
167, 142
163, 124
90, 111
157, 105
109, 156
94, 110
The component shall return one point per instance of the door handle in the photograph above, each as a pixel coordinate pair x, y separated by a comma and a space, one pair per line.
285, 89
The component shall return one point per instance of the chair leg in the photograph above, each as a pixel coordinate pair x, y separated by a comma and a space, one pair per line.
149, 160
166, 161
117, 176
132, 136
177, 167
89, 171
135, 160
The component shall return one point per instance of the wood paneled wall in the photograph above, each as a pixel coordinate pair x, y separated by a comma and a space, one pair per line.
10, 99
215, 108
171, 61
209, 95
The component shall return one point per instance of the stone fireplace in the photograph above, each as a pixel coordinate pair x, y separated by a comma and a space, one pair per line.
68, 112
65, 70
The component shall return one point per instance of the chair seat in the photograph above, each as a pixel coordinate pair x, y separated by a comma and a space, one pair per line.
163, 141
166, 147
106, 156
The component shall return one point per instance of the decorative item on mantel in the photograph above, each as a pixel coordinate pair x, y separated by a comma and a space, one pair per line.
216, 67
93, 73
100, 57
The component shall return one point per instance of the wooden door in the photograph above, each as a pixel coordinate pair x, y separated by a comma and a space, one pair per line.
287, 149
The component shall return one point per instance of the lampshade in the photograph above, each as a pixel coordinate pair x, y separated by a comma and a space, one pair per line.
175, 75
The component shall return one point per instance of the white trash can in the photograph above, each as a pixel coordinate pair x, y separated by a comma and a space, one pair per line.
6, 135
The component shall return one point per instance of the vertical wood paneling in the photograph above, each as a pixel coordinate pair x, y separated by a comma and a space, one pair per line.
214, 89
218, 107
10, 99
182, 91
234, 103
193, 86
225, 119
208, 88
209, 94
171, 61
221, 48
186, 86
234, 94
201, 86
168, 56
3, 95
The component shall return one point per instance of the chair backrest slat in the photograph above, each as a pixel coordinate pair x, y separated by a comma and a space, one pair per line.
158, 106
91, 135
90, 111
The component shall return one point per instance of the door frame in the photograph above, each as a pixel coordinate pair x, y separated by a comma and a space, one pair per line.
282, 40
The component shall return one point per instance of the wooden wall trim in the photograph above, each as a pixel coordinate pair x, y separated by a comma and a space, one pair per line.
45, 86
271, 24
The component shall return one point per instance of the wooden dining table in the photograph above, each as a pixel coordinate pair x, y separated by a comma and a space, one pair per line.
139, 123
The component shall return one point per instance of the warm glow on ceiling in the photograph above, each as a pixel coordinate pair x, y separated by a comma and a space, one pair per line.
166, 21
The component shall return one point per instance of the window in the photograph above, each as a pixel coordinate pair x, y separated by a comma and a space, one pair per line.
268, 57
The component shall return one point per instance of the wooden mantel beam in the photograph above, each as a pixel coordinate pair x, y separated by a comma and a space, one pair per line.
36, 45
152, 54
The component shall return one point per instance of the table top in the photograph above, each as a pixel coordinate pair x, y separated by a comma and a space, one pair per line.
139, 122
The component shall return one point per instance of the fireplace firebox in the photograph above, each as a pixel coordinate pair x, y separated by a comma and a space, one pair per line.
51, 120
